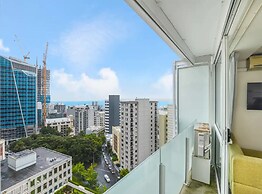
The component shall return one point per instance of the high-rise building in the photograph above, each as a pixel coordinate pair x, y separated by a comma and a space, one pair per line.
112, 112
86, 116
18, 98
139, 134
162, 126
171, 133
40, 86
100, 118
166, 124
40, 92
116, 140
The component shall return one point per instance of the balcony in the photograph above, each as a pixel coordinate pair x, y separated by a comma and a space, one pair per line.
165, 171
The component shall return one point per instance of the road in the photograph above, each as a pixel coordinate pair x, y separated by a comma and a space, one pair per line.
102, 169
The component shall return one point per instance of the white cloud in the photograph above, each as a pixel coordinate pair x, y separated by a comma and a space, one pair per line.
67, 87
163, 88
2, 47
87, 42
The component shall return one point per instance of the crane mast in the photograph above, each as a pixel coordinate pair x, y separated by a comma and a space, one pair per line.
44, 83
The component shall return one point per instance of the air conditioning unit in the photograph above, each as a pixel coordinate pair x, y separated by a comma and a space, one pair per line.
255, 62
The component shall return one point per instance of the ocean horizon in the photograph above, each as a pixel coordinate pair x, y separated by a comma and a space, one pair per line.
161, 103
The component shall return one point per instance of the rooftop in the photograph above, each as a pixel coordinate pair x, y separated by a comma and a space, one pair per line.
57, 120
10, 177
21, 154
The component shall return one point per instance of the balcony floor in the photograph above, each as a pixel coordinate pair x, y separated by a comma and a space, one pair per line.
196, 187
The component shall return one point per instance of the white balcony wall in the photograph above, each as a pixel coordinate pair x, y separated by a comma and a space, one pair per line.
193, 95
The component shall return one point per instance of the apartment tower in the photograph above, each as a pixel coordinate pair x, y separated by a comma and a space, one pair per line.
112, 112
86, 116
139, 134
18, 98
162, 126
40, 93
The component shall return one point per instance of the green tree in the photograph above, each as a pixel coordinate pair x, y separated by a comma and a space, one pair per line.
114, 157
19, 146
79, 171
83, 148
91, 177
49, 131
123, 172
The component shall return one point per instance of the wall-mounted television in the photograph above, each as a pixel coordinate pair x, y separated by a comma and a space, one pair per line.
254, 96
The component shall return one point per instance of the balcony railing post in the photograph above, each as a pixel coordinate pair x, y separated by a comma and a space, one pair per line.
161, 178
186, 160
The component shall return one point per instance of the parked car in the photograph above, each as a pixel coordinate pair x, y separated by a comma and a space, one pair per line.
112, 171
109, 167
106, 162
107, 178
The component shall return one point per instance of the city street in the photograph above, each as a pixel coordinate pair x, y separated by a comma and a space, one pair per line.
102, 169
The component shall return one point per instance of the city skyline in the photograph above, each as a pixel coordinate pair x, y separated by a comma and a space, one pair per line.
93, 49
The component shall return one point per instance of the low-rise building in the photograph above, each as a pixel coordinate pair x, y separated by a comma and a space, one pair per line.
35, 171
61, 124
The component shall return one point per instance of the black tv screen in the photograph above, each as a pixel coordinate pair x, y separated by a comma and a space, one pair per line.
254, 96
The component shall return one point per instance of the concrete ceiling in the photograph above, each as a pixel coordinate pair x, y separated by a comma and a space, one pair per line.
194, 28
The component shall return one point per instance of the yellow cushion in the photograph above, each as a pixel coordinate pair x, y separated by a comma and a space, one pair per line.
247, 171
234, 150
244, 189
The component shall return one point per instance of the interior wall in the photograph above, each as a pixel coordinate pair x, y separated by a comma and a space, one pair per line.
247, 124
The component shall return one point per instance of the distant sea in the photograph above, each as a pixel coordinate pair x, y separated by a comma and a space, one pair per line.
101, 102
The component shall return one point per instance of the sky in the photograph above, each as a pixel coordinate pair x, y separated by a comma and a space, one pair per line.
95, 48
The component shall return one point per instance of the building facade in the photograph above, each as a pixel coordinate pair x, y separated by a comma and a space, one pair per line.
116, 140
17, 99
166, 125
86, 116
40, 93
40, 86
162, 126
139, 131
61, 124
112, 117
35, 171
171, 132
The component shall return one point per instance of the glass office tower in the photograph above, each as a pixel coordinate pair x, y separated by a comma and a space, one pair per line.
17, 98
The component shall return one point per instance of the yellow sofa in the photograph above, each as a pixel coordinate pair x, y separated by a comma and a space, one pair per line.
245, 170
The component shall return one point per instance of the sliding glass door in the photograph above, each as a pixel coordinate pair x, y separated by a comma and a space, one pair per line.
220, 83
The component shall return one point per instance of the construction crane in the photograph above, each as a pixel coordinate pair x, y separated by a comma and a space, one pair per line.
25, 56
44, 83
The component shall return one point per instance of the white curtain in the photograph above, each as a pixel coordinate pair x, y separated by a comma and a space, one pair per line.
231, 87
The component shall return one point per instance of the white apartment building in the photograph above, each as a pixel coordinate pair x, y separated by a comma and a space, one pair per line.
61, 124
139, 135
116, 140
100, 118
35, 171
171, 132
87, 116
